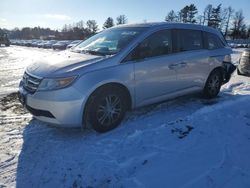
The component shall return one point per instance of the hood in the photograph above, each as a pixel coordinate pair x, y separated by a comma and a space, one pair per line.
62, 63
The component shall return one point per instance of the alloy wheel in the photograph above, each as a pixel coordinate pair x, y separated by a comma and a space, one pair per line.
214, 84
109, 110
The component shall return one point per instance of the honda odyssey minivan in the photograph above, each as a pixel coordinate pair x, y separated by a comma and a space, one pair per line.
123, 68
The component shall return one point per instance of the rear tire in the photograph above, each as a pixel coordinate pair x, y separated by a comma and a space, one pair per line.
213, 84
106, 109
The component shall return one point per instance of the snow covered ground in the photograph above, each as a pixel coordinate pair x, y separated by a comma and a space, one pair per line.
188, 142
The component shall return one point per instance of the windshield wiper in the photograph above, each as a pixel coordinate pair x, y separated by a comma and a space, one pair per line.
93, 52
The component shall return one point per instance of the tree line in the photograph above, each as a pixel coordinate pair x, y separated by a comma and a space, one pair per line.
74, 31
229, 21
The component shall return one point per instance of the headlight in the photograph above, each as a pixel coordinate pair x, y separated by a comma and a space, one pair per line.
55, 83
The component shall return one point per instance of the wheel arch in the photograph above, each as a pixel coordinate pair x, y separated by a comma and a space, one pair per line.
219, 68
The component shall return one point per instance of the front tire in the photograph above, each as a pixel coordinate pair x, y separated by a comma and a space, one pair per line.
213, 84
106, 109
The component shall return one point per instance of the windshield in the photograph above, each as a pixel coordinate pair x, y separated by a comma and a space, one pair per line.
108, 42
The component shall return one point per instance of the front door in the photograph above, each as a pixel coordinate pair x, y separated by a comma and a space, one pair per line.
154, 75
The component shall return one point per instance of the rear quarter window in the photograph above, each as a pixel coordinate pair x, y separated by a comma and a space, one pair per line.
213, 41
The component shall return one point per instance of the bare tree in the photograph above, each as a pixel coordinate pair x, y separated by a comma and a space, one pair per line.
179, 17
248, 32
238, 24
122, 19
200, 19
92, 26
80, 24
207, 14
229, 16
65, 28
223, 20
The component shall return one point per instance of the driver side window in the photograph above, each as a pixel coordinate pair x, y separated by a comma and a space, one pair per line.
157, 44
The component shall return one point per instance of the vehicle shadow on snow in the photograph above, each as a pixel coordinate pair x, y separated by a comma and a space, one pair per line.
59, 157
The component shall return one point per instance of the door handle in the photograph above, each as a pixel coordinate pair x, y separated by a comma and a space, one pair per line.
183, 64
172, 66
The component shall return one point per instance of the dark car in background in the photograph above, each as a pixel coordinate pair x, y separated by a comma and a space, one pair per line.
49, 43
61, 45
244, 63
73, 43
28, 43
35, 43
40, 44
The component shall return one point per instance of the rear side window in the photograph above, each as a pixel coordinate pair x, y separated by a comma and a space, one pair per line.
186, 40
213, 41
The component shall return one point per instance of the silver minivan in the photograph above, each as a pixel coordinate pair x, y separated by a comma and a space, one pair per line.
123, 68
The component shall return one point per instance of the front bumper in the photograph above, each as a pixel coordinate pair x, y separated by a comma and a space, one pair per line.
62, 107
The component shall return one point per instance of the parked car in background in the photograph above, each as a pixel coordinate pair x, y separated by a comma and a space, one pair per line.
22, 43
244, 63
41, 43
73, 43
61, 45
13, 42
49, 44
35, 43
123, 68
4, 39
28, 43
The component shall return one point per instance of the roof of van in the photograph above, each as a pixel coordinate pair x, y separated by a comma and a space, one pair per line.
172, 25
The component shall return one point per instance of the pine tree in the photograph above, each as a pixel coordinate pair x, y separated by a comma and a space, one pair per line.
192, 11
171, 17
215, 18
184, 14
207, 14
108, 23
188, 13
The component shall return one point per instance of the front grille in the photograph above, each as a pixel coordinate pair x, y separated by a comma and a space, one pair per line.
31, 82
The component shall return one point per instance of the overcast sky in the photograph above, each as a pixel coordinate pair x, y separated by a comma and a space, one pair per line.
56, 13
